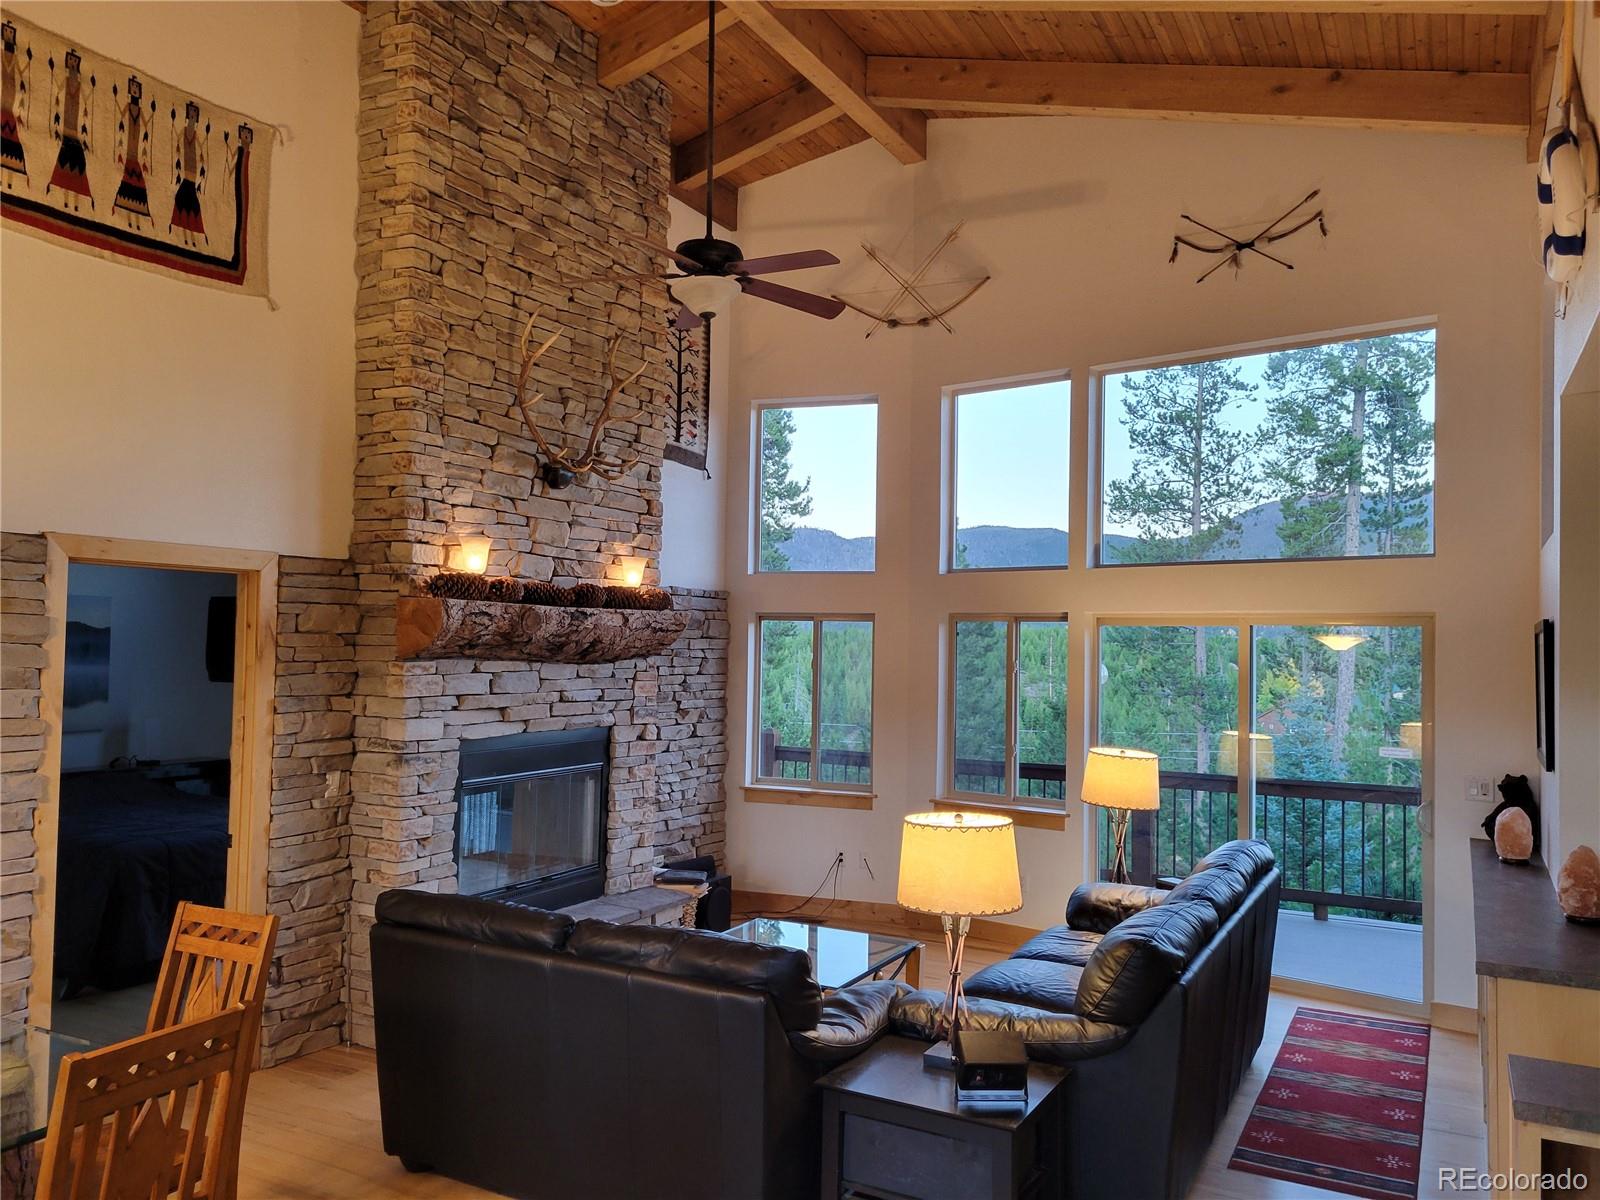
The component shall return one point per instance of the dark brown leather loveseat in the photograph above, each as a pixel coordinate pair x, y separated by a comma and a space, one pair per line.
550, 1059
1156, 999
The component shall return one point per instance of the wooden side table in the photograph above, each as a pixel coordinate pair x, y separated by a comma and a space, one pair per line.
891, 1131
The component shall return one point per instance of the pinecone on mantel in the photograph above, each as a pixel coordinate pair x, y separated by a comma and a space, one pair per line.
458, 585
588, 595
506, 591
542, 591
655, 599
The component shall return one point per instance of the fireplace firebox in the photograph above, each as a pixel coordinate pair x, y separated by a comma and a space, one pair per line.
531, 817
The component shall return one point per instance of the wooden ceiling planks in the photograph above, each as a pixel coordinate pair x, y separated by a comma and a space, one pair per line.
1479, 36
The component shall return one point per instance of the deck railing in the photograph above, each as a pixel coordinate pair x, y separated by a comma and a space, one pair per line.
1339, 846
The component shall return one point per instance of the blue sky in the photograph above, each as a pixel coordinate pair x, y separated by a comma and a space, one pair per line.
1012, 453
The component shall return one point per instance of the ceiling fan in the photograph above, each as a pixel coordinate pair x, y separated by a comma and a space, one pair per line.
714, 271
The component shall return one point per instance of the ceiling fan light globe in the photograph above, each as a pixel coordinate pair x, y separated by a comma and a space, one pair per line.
705, 295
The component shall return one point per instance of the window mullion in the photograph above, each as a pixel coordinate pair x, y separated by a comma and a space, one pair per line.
816, 701
1013, 699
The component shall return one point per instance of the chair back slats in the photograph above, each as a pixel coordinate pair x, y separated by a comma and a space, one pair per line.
215, 959
149, 1116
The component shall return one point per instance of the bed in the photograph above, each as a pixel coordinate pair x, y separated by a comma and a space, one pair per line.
128, 849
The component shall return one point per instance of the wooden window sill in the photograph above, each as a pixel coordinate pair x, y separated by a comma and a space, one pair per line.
764, 794
1032, 816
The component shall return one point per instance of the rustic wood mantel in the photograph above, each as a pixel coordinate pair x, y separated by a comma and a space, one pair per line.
434, 627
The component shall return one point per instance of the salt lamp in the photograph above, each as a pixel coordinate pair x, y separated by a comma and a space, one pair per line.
1513, 836
1578, 885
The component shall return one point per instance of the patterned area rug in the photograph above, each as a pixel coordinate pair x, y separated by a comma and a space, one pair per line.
1342, 1107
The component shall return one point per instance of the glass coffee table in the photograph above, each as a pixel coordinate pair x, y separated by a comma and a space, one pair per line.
839, 957
30, 1058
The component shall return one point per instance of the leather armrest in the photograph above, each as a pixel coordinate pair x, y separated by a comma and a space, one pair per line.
1060, 1038
1100, 907
852, 1019
1167, 882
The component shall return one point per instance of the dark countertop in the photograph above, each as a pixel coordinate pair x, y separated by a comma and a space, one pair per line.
1562, 1095
1520, 930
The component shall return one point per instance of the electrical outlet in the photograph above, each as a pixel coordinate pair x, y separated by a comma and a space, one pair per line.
1480, 791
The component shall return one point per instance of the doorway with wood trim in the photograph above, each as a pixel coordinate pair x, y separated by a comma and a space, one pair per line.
174, 750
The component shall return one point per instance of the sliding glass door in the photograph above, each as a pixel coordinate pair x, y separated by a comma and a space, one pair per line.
1331, 763
1338, 717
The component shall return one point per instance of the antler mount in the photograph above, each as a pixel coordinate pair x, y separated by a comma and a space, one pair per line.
562, 466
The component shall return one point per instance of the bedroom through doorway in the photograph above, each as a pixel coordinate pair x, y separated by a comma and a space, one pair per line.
144, 808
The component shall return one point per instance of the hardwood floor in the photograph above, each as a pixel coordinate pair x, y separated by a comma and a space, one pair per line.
312, 1132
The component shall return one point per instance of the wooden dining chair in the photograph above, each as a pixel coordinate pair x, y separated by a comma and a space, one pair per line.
147, 1117
215, 959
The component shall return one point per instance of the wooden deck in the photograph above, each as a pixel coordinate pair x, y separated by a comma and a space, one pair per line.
1382, 958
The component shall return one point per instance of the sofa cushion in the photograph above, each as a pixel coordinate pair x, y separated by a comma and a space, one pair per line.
1141, 958
780, 972
852, 1018
1220, 886
1250, 857
1039, 983
493, 921
1049, 1037
1060, 943
1098, 907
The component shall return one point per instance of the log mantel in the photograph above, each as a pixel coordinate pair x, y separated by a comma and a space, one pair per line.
433, 627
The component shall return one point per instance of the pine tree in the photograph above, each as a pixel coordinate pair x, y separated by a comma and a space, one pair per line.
1354, 456
784, 501
1191, 474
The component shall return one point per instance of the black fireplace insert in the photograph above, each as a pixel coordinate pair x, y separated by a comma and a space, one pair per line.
531, 817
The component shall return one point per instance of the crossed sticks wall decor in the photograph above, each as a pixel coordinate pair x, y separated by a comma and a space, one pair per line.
1234, 249
911, 287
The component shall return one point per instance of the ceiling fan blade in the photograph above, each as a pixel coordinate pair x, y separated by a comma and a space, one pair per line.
772, 264
817, 306
686, 320
683, 260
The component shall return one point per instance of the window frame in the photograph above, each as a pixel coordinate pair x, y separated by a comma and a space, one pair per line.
952, 497
758, 416
1097, 448
1009, 799
813, 784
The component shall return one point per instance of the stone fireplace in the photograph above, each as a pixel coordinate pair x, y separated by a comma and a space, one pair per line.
478, 187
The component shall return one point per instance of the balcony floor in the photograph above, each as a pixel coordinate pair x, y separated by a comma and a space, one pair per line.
1383, 958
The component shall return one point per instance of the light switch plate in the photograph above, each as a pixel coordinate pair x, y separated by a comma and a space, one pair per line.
1480, 791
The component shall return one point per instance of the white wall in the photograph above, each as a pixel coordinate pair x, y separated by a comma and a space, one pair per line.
1569, 563
140, 406
160, 703
692, 518
1075, 219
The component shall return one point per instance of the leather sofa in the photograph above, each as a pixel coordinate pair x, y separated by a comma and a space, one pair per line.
544, 1058
1156, 999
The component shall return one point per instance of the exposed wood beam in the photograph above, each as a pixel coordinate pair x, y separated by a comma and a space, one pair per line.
1481, 102
1480, 8
753, 132
814, 45
1542, 76
724, 202
654, 36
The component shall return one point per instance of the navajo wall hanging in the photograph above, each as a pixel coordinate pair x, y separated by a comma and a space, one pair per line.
106, 159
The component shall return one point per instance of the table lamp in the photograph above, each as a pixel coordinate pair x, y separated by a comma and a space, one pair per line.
956, 866
1123, 781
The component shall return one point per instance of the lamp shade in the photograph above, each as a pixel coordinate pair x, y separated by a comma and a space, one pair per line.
959, 864
632, 570
1117, 778
1340, 642
471, 553
1260, 746
1411, 736
705, 295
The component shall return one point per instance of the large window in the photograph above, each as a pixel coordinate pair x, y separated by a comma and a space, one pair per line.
1009, 493
817, 488
1008, 707
1317, 452
815, 697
